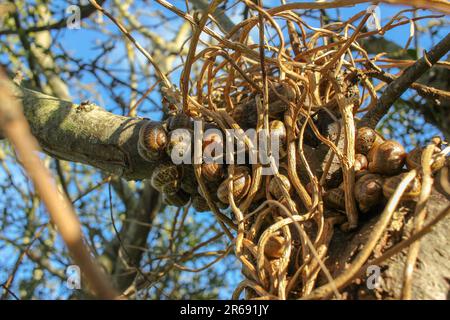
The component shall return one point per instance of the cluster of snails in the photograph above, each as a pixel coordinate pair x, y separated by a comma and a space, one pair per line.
379, 170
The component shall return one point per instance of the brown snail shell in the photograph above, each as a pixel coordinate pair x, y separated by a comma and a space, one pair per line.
179, 120
177, 199
199, 203
210, 186
412, 190
212, 171
414, 159
241, 184
275, 188
361, 173
212, 142
335, 198
152, 140
387, 158
368, 191
366, 138
189, 181
274, 247
361, 162
166, 178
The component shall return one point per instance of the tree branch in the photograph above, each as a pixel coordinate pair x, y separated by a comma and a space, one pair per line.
87, 134
396, 88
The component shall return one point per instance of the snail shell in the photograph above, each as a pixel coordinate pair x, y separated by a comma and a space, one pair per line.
166, 178
210, 186
361, 162
179, 120
335, 198
241, 184
414, 159
274, 247
212, 171
275, 188
412, 190
366, 138
387, 158
368, 191
199, 203
177, 199
152, 140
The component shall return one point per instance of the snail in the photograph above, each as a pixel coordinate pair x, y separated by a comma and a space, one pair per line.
414, 159
366, 138
275, 188
166, 178
199, 203
412, 190
209, 187
274, 247
177, 199
179, 144
212, 171
361, 173
335, 198
387, 158
361, 162
368, 191
212, 144
179, 120
241, 184
152, 140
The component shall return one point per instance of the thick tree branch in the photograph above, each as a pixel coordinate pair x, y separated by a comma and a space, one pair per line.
87, 134
396, 88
